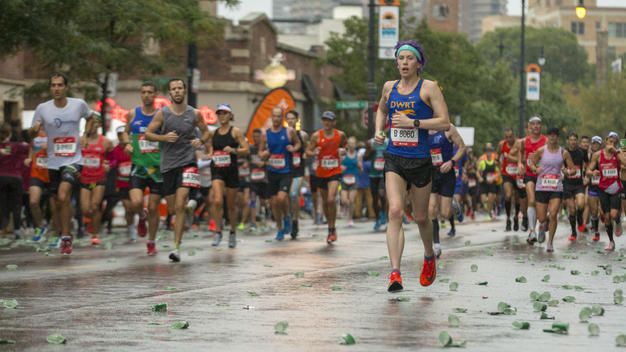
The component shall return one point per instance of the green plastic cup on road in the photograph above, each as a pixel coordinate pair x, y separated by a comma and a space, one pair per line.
180, 325
281, 327
453, 321
521, 325
594, 329
474, 268
160, 307
347, 339
56, 339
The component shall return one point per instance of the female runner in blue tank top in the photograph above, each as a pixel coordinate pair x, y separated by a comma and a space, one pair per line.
412, 106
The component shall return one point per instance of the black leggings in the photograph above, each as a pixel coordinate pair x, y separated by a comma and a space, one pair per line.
375, 189
11, 191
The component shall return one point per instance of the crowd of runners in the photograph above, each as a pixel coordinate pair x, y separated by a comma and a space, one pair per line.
58, 183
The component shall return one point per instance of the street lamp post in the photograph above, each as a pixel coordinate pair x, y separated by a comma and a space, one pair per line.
371, 63
520, 132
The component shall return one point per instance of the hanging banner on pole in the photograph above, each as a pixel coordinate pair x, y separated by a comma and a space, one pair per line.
388, 30
533, 80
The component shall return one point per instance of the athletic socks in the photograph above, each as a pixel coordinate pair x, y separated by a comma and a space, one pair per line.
516, 208
507, 208
436, 231
609, 230
594, 223
572, 223
177, 245
452, 222
579, 216
532, 218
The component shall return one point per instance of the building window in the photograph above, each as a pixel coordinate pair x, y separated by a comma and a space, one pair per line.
612, 53
597, 26
578, 28
617, 30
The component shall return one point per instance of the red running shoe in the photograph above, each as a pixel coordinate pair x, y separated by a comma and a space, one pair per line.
332, 236
611, 247
429, 271
66, 246
212, 225
581, 228
572, 237
95, 240
395, 281
473, 216
151, 248
142, 229
596, 236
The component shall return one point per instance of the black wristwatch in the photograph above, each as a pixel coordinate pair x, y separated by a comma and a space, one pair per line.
453, 162
416, 123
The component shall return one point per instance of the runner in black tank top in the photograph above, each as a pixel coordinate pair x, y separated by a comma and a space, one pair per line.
573, 187
225, 143
297, 174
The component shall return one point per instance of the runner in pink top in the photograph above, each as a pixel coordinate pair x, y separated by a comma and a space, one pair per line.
547, 162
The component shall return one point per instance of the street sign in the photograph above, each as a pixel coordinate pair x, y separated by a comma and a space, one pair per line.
533, 82
388, 30
365, 117
347, 105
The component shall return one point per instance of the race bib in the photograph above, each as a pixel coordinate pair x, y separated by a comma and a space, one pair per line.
205, 177
491, 176
124, 168
471, 183
576, 174
349, 179
296, 159
64, 146
191, 178
612, 172
277, 161
511, 170
330, 163
435, 155
404, 137
91, 162
614, 188
379, 164
520, 183
221, 159
42, 163
257, 174
595, 180
244, 171
146, 146
550, 181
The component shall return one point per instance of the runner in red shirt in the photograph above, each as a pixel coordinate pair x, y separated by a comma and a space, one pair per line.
525, 149
93, 176
328, 145
609, 163
122, 163
508, 166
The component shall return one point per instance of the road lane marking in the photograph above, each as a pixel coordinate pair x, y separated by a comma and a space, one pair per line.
72, 267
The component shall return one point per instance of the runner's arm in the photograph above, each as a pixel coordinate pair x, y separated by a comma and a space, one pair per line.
205, 131
567, 157
243, 143
305, 141
593, 163
440, 120
295, 141
381, 114
458, 141
312, 143
154, 125
499, 152
535, 160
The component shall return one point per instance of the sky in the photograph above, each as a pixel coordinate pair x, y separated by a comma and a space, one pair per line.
247, 6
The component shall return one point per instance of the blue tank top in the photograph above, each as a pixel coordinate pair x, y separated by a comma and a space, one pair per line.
458, 168
440, 148
408, 142
280, 158
351, 165
140, 122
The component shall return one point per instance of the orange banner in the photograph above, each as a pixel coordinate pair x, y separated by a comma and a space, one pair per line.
262, 115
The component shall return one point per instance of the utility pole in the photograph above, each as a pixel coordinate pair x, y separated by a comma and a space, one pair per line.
192, 63
520, 131
371, 61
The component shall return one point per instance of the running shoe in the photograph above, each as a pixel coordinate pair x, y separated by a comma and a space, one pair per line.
442, 224
508, 225
332, 236
596, 236
383, 218
55, 242
611, 247
618, 229
280, 235
473, 216
395, 281
241, 226
95, 240
515, 224
232, 240
142, 229
132, 234
66, 246
524, 224
549, 248
405, 220
489, 218
151, 248
428, 271
437, 249
532, 238
350, 223
39, 233
377, 225
175, 255
541, 236
217, 239
212, 225
461, 217
582, 228
452, 232
572, 237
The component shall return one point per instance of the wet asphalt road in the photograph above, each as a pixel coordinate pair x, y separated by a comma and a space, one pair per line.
100, 299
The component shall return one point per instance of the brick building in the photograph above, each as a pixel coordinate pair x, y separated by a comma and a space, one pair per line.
12, 87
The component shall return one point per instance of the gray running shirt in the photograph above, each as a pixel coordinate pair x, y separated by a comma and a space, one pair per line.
62, 127
179, 153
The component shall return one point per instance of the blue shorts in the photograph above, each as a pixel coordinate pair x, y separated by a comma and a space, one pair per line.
460, 189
